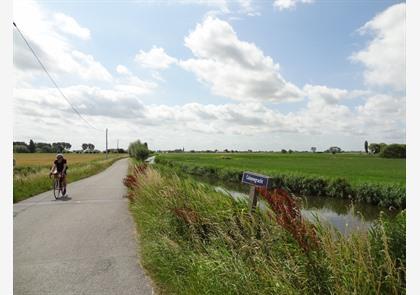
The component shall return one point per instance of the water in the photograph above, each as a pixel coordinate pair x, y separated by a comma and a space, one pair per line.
341, 214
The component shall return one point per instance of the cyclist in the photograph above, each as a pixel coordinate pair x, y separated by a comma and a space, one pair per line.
60, 168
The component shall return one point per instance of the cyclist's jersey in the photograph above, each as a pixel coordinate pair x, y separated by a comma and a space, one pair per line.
60, 166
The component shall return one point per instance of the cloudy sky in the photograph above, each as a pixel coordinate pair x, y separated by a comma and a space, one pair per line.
236, 74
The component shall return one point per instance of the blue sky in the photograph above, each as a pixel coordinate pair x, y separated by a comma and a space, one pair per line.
312, 43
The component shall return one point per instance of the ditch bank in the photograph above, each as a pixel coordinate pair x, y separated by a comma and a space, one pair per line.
195, 240
382, 195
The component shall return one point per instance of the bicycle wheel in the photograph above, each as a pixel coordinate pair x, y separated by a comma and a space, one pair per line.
56, 188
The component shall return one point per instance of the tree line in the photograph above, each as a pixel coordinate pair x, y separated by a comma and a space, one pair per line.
40, 147
394, 150
56, 147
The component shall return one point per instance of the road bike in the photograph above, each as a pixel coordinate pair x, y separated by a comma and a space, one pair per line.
58, 187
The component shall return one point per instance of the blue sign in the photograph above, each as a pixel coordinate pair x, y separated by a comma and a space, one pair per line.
255, 179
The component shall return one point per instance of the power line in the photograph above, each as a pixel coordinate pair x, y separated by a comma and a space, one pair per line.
52, 80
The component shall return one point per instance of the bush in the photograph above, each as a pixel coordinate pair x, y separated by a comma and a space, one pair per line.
394, 151
138, 150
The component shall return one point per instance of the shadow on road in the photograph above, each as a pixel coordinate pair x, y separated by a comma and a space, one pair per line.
65, 198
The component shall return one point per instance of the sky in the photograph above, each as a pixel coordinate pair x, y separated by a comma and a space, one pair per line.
220, 74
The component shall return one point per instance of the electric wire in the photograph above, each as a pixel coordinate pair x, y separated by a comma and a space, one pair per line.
52, 80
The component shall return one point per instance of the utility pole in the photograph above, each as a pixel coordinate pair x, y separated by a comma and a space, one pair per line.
106, 139
118, 147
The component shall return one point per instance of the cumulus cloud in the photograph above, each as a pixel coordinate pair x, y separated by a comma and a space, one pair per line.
221, 5
324, 93
384, 55
233, 68
156, 59
46, 32
224, 6
69, 25
288, 4
123, 100
122, 70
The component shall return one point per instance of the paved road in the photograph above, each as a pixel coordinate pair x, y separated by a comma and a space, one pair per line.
85, 245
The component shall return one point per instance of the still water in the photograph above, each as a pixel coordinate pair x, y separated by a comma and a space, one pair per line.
341, 214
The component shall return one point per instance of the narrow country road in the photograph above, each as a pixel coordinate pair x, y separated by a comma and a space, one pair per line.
85, 245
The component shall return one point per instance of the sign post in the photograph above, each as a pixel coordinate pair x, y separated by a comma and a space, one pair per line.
255, 180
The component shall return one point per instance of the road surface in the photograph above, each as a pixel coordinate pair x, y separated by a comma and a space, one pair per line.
83, 245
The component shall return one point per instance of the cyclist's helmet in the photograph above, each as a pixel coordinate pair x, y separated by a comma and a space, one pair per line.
59, 156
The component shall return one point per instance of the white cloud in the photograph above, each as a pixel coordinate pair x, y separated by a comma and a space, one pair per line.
156, 58
384, 56
221, 5
122, 70
233, 68
288, 4
68, 25
324, 93
45, 34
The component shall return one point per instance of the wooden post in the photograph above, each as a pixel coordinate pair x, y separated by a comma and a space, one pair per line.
253, 198
254, 179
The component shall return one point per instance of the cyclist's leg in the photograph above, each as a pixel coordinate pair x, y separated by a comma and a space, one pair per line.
64, 183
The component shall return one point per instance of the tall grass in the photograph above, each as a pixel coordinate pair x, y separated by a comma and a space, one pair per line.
372, 193
195, 240
31, 180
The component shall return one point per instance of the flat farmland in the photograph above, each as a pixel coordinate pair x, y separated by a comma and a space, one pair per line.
30, 174
355, 168
46, 159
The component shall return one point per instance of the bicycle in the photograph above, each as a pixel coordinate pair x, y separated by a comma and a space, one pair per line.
58, 188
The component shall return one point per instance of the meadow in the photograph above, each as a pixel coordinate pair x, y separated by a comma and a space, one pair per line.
195, 240
30, 174
356, 168
360, 177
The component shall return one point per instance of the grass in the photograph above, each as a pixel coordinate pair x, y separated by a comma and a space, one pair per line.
355, 168
338, 176
30, 175
195, 240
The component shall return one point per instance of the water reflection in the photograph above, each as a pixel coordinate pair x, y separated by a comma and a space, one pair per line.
344, 215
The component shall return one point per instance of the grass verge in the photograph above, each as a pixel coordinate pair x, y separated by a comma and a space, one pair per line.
195, 240
31, 180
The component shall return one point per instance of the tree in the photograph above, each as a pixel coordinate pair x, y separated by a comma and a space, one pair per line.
84, 146
91, 147
374, 148
43, 147
31, 146
58, 147
394, 151
20, 149
283, 151
67, 145
382, 147
334, 149
313, 149
138, 150
366, 146
19, 143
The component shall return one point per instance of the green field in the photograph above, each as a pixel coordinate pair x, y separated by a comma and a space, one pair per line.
355, 168
30, 175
